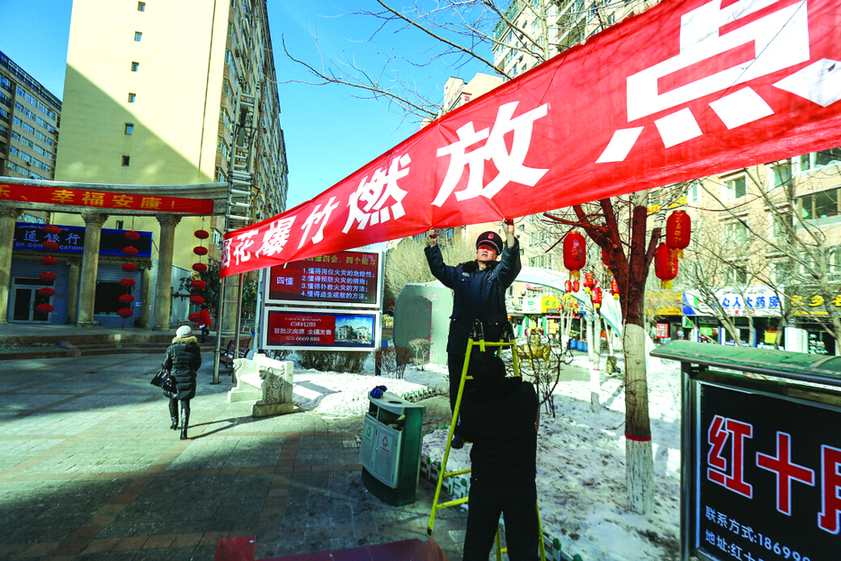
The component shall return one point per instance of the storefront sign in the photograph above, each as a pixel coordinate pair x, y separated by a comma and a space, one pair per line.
347, 279
303, 329
549, 304
769, 486
532, 305
71, 239
753, 301
814, 305
102, 199
661, 330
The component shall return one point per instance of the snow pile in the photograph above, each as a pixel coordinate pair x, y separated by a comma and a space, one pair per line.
581, 456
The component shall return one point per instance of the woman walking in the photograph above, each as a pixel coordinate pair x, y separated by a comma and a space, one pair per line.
182, 360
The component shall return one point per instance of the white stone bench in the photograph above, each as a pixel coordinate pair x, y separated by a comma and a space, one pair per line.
265, 381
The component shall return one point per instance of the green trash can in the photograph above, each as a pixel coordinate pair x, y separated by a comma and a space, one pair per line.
390, 452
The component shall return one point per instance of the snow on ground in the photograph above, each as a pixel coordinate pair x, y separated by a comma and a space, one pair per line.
580, 462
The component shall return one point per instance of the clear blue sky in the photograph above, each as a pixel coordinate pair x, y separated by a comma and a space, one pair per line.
329, 132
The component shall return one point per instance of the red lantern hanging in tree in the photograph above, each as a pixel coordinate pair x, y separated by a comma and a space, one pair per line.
606, 260
125, 313
576, 284
597, 297
568, 286
575, 255
589, 282
614, 288
665, 266
678, 232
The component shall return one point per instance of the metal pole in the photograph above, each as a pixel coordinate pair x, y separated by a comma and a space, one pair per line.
220, 313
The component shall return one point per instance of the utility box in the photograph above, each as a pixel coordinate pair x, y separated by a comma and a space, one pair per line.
391, 448
423, 311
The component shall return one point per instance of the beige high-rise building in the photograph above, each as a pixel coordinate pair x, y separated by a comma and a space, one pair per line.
156, 94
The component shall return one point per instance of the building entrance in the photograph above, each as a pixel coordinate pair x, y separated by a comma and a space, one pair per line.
25, 300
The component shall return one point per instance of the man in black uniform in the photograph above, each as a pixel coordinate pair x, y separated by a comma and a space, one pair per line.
500, 418
478, 294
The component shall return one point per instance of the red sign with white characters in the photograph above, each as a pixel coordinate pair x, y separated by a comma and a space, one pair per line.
103, 199
685, 90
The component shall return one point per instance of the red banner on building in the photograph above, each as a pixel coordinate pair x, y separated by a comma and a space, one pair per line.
103, 199
685, 90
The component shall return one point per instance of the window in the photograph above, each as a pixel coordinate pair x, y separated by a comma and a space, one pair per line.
107, 299
126, 160
736, 188
120, 224
819, 205
132, 98
735, 232
129, 128
694, 188
135, 66
782, 174
138, 36
819, 159
141, 6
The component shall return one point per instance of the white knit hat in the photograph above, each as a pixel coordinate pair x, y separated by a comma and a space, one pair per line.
183, 332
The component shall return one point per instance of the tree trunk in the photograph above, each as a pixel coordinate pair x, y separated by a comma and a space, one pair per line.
639, 459
593, 335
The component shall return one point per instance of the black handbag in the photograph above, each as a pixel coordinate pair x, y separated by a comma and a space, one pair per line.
164, 380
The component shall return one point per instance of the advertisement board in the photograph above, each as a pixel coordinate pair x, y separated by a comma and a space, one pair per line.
343, 279
767, 476
320, 329
71, 239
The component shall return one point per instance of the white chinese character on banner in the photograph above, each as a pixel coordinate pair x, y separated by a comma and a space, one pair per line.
275, 237
758, 37
240, 246
509, 164
366, 204
320, 217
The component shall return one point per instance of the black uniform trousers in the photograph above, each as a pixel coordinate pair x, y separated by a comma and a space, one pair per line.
518, 505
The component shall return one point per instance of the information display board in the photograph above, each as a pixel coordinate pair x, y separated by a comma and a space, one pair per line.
768, 476
314, 329
346, 279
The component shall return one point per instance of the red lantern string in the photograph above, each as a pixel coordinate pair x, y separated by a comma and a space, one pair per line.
48, 261
197, 285
130, 251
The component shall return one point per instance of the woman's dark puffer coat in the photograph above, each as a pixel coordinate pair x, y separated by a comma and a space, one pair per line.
183, 359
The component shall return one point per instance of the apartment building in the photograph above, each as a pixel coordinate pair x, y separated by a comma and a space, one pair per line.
171, 94
29, 122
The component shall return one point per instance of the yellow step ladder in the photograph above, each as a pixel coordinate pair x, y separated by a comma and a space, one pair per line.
477, 339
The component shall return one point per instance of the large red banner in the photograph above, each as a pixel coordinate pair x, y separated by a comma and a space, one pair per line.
103, 199
685, 90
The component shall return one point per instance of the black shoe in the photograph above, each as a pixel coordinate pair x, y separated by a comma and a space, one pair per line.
457, 443
184, 433
174, 425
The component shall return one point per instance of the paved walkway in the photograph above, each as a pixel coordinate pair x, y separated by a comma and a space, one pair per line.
89, 470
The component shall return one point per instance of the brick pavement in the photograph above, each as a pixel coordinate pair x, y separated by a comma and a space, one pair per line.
89, 470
